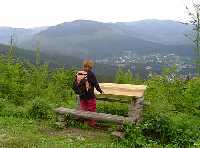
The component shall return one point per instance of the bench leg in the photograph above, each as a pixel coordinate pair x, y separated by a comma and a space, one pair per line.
77, 102
60, 120
135, 110
118, 134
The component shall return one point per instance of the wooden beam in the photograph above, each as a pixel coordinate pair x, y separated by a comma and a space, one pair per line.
125, 101
118, 134
113, 100
94, 115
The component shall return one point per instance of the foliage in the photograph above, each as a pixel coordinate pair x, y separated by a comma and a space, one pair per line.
172, 118
194, 15
157, 128
126, 77
32, 90
40, 109
192, 97
133, 137
112, 108
159, 131
177, 102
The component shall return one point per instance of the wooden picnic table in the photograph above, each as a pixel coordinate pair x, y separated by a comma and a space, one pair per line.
135, 92
122, 89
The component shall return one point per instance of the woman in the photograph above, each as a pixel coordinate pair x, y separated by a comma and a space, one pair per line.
87, 96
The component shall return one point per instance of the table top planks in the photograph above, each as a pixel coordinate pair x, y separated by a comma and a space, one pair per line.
122, 89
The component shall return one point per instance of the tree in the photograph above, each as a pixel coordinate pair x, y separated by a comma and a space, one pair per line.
123, 77
194, 14
11, 48
119, 76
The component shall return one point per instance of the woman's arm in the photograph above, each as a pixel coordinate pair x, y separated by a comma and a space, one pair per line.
95, 83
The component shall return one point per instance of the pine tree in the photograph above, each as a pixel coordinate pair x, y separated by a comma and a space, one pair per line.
195, 21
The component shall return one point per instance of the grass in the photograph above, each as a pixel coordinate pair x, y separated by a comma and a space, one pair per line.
21, 132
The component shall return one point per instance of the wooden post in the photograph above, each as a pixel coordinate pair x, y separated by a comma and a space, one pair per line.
135, 109
77, 102
60, 120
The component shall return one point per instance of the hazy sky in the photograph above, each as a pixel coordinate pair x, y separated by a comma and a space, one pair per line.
34, 13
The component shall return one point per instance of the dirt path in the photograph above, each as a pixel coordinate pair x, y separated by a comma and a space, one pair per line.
76, 132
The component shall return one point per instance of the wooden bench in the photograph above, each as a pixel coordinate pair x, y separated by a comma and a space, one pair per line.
135, 92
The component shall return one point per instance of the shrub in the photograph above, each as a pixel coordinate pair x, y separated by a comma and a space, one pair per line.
10, 109
133, 137
157, 128
185, 129
192, 97
112, 108
40, 109
12, 79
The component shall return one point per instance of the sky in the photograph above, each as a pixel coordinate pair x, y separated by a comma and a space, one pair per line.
35, 13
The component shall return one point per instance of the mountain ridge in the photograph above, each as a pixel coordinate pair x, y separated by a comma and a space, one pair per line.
85, 38
93, 39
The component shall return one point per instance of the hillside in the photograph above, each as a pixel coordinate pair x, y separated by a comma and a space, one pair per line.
105, 72
83, 38
52, 60
161, 31
19, 34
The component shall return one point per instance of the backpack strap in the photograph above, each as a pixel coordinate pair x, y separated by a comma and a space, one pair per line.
81, 72
81, 75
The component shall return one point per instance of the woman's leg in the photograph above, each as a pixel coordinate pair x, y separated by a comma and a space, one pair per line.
83, 107
83, 104
91, 104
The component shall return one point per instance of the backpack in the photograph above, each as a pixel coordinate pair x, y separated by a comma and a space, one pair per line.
82, 83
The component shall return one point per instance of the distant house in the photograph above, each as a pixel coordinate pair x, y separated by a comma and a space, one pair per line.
148, 67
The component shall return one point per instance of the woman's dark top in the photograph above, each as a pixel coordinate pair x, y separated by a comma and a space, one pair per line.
93, 83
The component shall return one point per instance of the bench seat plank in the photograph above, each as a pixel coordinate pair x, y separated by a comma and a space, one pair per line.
94, 115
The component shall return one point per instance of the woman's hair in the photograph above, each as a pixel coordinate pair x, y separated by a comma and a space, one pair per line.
88, 63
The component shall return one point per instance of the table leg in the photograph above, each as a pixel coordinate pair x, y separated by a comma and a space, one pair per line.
135, 110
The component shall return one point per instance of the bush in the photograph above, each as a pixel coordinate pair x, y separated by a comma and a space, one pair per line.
133, 137
157, 128
112, 108
20, 85
10, 109
185, 129
126, 77
192, 97
40, 109
155, 131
